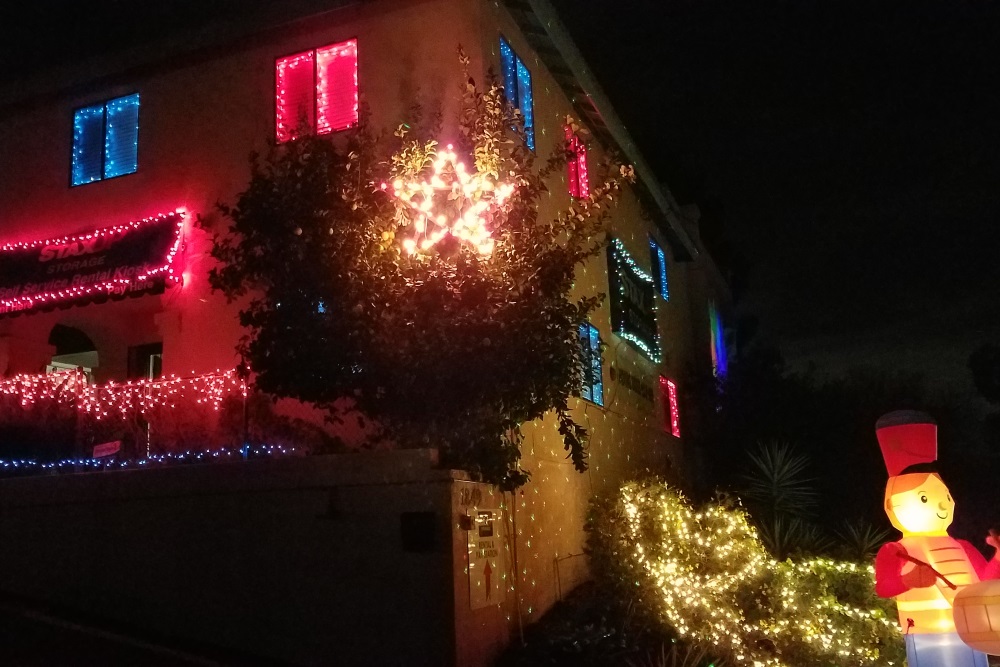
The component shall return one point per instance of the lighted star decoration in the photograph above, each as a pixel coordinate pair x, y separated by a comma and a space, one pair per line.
452, 203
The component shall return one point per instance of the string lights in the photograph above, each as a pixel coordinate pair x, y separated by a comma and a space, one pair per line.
106, 140
668, 391
104, 280
451, 202
337, 87
319, 86
123, 398
714, 582
659, 262
113, 463
121, 136
579, 179
517, 89
632, 290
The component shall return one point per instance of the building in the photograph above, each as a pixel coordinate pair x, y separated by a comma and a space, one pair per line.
106, 166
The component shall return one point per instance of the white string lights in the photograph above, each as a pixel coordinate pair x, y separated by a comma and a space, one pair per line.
702, 565
451, 202
123, 398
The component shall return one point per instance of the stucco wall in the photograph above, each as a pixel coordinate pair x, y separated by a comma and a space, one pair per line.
301, 561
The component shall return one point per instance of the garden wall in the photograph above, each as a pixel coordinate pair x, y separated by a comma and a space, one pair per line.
321, 560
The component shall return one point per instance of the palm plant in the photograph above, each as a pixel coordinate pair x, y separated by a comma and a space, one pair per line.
860, 539
776, 482
678, 656
782, 499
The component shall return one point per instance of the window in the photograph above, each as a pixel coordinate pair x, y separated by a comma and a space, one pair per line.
106, 140
720, 359
145, 362
590, 352
517, 88
671, 412
658, 260
317, 90
579, 181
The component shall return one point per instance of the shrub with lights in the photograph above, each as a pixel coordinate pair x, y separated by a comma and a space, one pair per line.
705, 574
417, 281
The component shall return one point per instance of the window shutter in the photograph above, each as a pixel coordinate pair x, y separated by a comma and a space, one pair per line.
295, 94
596, 374
573, 165
509, 65
658, 261
579, 180
587, 370
121, 143
671, 409
526, 102
88, 144
337, 87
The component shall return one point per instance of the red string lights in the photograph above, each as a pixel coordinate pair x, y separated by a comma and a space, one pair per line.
579, 179
110, 280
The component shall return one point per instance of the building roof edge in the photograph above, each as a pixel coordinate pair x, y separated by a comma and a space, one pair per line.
545, 32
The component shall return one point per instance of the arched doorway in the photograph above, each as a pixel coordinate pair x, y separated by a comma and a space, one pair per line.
74, 351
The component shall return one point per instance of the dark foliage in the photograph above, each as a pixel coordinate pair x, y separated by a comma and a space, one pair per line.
451, 347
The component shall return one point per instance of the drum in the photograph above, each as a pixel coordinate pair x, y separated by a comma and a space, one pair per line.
977, 615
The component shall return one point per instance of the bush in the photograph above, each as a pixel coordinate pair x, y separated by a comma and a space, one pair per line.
705, 574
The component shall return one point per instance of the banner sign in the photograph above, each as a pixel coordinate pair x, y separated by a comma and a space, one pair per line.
130, 258
633, 304
107, 449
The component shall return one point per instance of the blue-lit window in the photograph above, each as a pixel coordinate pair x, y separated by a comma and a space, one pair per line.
658, 260
106, 140
590, 353
517, 88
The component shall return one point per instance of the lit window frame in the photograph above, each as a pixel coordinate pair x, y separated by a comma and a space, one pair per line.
577, 174
518, 88
671, 407
77, 150
658, 262
720, 355
622, 267
285, 132
592, 366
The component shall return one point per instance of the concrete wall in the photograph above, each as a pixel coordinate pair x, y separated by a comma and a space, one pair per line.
300, 560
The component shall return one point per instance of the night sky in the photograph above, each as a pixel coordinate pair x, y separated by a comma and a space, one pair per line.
850, 150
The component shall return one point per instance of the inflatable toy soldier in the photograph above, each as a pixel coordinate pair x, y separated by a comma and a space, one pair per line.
927, 568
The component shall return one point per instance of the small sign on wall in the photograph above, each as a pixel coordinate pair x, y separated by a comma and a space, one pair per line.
487, 564
107, 449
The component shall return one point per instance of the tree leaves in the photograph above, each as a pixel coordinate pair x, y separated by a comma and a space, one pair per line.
453, 350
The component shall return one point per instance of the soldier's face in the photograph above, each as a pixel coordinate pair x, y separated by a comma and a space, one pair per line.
924, 507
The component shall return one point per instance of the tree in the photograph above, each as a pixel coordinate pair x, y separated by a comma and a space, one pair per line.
418, 281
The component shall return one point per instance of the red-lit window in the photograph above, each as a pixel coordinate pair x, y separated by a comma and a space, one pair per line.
579, 181
671, 412
317, 90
